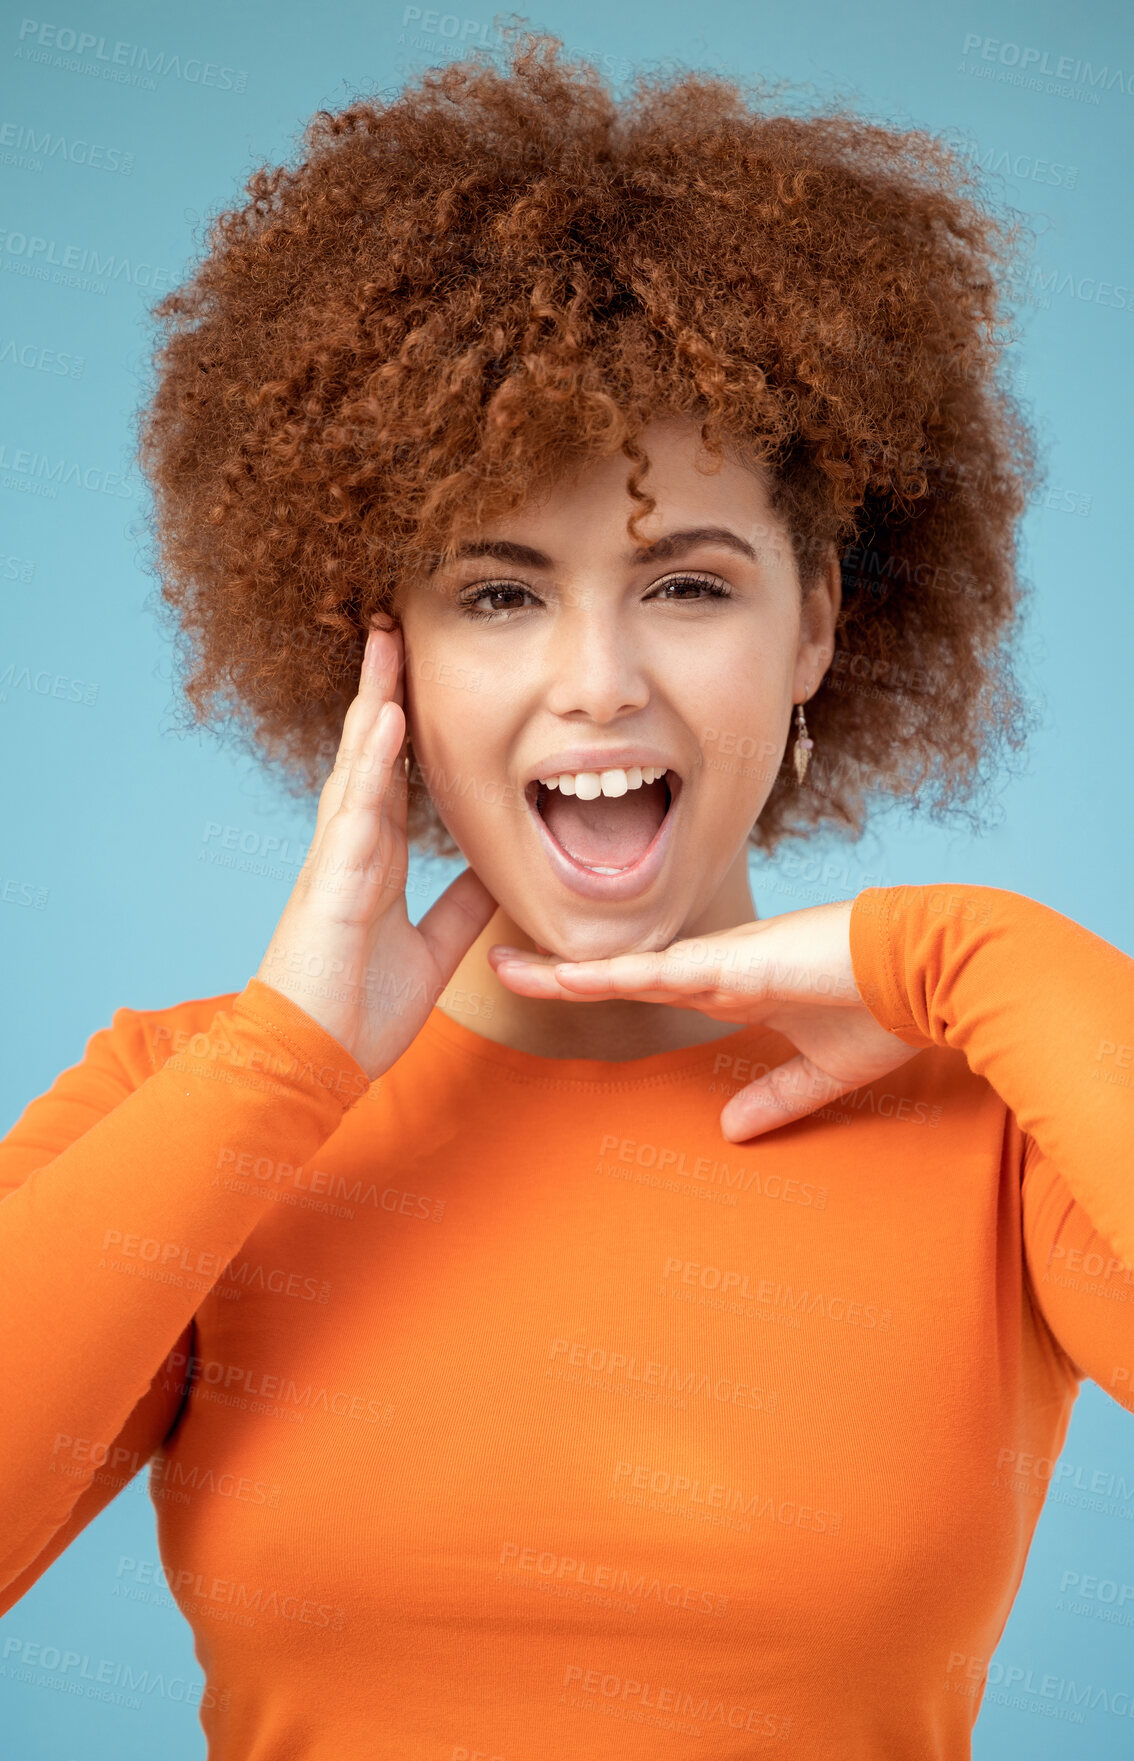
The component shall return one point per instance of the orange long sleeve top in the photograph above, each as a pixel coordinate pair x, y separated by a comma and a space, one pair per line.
500, 1408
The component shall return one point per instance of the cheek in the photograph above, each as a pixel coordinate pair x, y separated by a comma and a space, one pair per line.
742, 699
446, 742
444, 699
459, 731
738, 719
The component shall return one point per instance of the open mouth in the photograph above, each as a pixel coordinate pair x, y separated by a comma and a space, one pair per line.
611, 833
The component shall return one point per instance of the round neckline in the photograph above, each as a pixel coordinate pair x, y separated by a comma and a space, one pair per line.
599, 1073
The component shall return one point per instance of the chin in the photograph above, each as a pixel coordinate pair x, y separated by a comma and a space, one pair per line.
599, 939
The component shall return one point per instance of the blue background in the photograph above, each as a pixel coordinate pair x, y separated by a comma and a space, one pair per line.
110, 892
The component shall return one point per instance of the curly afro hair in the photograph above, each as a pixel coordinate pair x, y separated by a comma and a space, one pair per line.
502, 270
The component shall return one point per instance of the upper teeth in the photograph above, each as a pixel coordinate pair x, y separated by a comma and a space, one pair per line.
590, 784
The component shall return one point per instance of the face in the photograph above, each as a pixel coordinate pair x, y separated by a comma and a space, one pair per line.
558, 665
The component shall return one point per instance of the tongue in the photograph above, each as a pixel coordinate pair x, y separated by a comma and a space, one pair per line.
609, 832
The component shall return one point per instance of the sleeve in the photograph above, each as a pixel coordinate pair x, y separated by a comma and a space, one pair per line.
138, 1148
1043, 1009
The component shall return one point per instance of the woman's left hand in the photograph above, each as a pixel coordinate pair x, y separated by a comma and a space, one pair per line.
791, 973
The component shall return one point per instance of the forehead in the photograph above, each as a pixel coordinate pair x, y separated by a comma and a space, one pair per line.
693, 491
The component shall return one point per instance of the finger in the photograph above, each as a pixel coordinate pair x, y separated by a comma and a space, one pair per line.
529, 978
392, 851
791, 1091
379, 682
373, 689
528, 974
372, 764
386, 677
397, 798
532, 977
349, 862
398, 661
453, 922
741, 972
685, 969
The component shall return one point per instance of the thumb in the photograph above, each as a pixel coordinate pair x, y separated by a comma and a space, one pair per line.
453, 922
791, 1091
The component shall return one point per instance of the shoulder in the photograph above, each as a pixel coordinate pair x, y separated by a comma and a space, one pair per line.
116, 1061
936, 1088
138, 1041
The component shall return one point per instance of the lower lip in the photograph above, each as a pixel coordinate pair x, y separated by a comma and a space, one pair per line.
628, 883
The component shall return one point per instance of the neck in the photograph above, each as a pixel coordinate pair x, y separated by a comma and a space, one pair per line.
611, 1031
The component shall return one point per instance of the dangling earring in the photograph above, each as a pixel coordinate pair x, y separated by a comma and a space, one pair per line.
801, 751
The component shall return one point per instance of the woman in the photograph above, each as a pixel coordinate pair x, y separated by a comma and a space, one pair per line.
528, 1363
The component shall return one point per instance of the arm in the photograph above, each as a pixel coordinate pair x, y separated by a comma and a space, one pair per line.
123, 1155
1044, 1010
126, 1145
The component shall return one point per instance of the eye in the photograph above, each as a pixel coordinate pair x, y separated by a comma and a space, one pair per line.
508, 592
691, 588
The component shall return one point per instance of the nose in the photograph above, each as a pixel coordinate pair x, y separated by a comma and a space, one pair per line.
594, 669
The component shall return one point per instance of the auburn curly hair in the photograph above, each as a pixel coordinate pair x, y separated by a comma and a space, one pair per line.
502, 270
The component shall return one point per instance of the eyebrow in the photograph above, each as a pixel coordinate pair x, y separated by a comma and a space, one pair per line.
663, 549
677, 543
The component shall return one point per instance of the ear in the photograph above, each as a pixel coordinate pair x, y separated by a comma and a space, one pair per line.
818, 617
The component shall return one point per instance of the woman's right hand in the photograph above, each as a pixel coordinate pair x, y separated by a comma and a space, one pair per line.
345, 949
